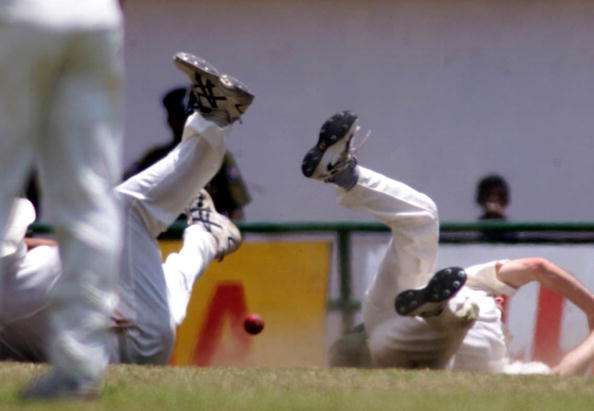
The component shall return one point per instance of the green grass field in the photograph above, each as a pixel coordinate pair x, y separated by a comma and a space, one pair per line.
158, 388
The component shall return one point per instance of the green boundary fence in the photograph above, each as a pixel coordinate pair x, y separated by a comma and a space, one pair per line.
176, 229
450, 232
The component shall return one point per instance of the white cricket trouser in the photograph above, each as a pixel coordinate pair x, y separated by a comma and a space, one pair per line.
60, 81
410, 259
409, 262
152, 296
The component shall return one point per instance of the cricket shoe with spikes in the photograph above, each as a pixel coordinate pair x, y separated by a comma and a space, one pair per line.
226, 234
332, 158
432, 299
218, 97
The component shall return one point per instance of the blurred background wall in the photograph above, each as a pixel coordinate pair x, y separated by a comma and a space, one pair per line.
451, 90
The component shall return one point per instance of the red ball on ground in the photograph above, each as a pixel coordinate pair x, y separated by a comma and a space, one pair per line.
253, 324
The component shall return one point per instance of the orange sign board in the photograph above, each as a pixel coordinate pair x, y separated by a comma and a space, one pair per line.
284, 282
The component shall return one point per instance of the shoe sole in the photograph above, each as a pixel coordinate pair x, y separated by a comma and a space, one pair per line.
312, 158
443, 286
229, 87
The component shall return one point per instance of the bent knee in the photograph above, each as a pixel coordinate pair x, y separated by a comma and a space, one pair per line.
429, 213
432, 209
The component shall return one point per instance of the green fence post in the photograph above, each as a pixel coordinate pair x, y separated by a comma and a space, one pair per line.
344, 270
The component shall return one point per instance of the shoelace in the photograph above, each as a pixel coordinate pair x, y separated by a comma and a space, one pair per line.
200, 214
348, 156
205, 90
354, 148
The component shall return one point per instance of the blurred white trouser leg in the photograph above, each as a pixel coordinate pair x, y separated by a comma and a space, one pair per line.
79, 169
60, 96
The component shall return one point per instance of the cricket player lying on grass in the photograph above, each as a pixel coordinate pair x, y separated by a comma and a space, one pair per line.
153, 296
414, 317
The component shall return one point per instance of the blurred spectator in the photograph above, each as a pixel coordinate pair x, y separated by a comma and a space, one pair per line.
227, 187
493, 196
228, 190
175, 104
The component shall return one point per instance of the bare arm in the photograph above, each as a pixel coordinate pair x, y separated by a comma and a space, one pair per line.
578, 360
516, 273
33, 242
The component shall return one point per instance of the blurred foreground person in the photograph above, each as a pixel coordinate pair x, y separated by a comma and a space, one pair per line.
60, 82
152, 296
415, 317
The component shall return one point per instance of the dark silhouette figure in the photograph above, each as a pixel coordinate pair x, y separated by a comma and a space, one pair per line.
493, 196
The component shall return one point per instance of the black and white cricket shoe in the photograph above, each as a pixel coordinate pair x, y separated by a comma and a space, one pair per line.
226, 234
431, 299
333, 152
218, 97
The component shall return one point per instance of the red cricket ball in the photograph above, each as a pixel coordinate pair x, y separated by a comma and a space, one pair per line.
253, 324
